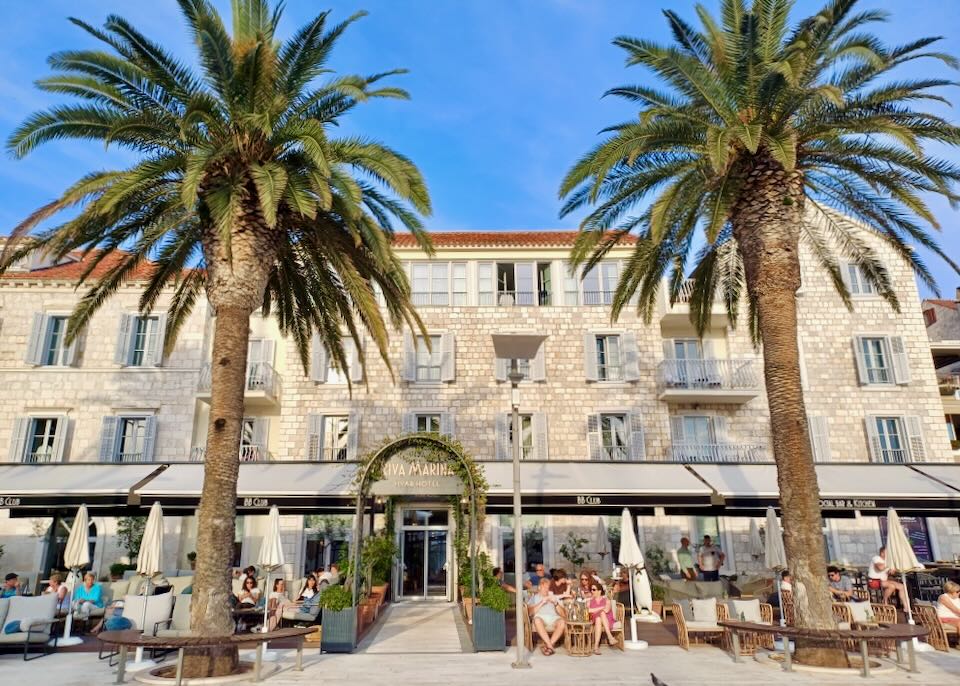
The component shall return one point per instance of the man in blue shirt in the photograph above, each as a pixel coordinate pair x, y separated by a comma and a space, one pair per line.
11, 586
533, 579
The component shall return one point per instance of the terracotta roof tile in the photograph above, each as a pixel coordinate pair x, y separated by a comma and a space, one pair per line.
495, 239
71, 271
949, 304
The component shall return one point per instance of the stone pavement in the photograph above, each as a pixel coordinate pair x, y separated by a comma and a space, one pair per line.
413, 628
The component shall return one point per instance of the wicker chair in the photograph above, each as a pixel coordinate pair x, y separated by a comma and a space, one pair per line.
618, 629
938, 637
751, 642
885, 614
687, 634
786, 607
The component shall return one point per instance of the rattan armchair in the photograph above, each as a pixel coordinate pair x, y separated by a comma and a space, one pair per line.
939, 636
698, 632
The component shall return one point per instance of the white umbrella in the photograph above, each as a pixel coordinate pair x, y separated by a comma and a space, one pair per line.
270, 558
603, 539
75, 557
631, 558
755, 543
774, 555
900, 556
149, 564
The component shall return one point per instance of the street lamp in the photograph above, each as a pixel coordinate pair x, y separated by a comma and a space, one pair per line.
516, 347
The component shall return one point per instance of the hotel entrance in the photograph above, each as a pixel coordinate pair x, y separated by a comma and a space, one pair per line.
425, 554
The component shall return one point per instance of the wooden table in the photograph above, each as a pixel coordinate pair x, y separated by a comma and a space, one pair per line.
578, 639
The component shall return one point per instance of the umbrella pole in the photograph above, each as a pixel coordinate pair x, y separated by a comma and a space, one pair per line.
633, 609
67, 639
138, 660
917, 645
783, 620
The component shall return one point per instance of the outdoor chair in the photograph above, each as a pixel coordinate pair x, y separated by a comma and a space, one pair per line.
618, 626
529, 635
786, 608
697, 621
158, 609
939, 636
754, 611
37, 616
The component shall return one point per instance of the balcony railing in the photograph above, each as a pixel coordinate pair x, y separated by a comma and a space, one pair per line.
44, 456
261, 377
597, 297
248, 453
130, 458
715, 374
949, 384
515, 298
717, 453
438, 298
893, 455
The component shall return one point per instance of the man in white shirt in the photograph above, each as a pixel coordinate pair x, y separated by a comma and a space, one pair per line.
710, 559
879, 573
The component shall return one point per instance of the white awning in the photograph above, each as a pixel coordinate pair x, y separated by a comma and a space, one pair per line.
571, 478
261, 480
71, 478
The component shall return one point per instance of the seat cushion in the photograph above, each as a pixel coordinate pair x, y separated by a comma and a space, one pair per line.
686, 609
23, 608
21, 636
4, 606
861, 612
179, 583
703, 626
704, 610
745, 610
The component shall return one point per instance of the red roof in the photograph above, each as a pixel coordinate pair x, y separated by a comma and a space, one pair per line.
496, 239
949, 304
71, 271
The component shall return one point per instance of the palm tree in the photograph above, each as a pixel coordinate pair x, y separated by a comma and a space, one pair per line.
241, 193
763, 137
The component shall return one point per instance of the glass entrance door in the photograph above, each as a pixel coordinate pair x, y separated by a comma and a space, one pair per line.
436, 571
424, 555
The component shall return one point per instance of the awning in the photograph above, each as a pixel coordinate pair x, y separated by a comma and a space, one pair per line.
69, 485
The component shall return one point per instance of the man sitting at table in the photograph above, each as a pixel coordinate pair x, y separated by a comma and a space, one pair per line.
547, 615
841, 587
879, 575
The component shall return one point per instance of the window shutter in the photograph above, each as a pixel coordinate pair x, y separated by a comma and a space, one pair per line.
590, 357
901, 363
861, 364
318, 359
918, 452
408, 423
706, 348
503, 437
314, 436
538, 366
448, 366
593, 437
18, 443
267, 351
447, 424
261, 428
149, 438
676, 438
70, 354
35, 343
356, 362
819, 429
108, 439
631, 362
60, 438
721, 430
124, 335
539, 421
500, 368
409, 357
155, 344
804, 381
873, 438
353, 434
638, 448
668, 352
845, 277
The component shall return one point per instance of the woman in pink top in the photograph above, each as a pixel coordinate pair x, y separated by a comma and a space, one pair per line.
601, 614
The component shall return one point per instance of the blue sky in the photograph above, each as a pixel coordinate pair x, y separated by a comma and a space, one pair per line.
506, 94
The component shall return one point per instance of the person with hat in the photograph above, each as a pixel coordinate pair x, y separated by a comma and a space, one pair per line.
11, 586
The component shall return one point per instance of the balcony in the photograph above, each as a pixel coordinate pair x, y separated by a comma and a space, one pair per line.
678, 313
503, 298
708, 381
263, 386
717, 453
43, 456
248, 453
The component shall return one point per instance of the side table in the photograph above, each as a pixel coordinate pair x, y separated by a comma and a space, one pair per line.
578, 639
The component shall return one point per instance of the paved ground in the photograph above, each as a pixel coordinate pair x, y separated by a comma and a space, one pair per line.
415, 628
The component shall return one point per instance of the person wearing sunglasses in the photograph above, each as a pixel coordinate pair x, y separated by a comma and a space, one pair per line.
249, 594
601, 614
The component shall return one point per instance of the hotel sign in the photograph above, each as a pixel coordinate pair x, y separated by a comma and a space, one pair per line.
407, 474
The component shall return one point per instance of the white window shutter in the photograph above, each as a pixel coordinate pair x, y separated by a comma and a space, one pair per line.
538, 366
60, 438
503, 437
918, 452
845, 276
261, 428
448, 359
353, 434
590, 357
631, 358
408, 423
149, 438
901, 363
500, 367
668, 350
638, 448
70, 354
447, 424
18, 443
677, 450
314, 436
356, 359
155, 344
819, 430
318, 359
861, 364
539, 421
409, 357
124, 340
108, 439
594, 444
707, 351
873, 438
721, 430
34, 354
269, 345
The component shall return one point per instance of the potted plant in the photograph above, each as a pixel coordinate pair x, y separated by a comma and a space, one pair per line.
379, 552
339, 624
192, 559
489, 619
117, 569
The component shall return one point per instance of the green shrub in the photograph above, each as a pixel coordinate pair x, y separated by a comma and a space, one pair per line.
118, 568
495, 598
336, 598
379, 552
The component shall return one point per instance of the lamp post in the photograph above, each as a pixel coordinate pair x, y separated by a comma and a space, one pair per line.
516, 347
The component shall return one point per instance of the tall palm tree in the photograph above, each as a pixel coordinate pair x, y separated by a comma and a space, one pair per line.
240, 192
761, 137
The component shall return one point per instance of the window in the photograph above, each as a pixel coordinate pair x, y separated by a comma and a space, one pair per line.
428, 423
429, 359
615, 436
600, 283
458, 283
334, 436
38, 439
533, 436
881, 360
47, 346
856, 281
253, 439
509, 283
571, 287
609, 367
614, 439
438, 283
703, 438
876, 360
532, 370
889, 440
128, 438
431, 365
140, 341
526, 436
611, 357
323, 368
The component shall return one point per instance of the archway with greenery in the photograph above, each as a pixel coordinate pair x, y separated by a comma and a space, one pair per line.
435, 448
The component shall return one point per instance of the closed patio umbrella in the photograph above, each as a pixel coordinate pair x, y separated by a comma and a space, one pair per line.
270, 559
75, 557
149, 564
755, 543
603, 539
900, 556
631, 558
774, 555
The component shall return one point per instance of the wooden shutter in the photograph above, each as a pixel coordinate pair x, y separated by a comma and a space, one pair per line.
34, 354
154, 354
261, 429
314, 436
900, 361
124, 340
408, 423
914, 427
594, 443
538, 365
721, 430
356, 362
70, 353
409, 357
861, 363
108, 439
502, 447
500, 368
590, 357
447, 424
318, 359
677, 449
353, 434
819, 430
60, 437
540, 445
845, 277
448, 350
638, 448
873, 438
149, 437
18, 442
631, 361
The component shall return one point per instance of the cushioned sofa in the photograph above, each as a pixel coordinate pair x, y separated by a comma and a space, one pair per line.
36, 616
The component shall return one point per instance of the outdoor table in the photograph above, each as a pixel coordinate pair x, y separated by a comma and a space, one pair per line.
578, 639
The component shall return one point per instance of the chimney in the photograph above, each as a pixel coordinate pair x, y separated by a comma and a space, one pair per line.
958, 294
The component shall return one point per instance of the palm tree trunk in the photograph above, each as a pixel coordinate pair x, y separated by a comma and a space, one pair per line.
766, 224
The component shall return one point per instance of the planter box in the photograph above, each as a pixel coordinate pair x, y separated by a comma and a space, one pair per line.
489, 629
467, 608
339, 631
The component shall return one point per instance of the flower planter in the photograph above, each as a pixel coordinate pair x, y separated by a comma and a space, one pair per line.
339, 631
467, 608
489, 629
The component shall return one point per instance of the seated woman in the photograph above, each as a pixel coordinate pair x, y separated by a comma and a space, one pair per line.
561, 586
601, 614
249, 595
278, 602
87, 596
948, 604
57, 586
310, 588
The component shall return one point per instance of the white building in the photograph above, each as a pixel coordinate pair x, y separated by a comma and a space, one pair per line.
624, 413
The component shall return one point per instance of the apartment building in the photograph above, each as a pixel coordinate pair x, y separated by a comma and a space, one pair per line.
942, 318
635, 413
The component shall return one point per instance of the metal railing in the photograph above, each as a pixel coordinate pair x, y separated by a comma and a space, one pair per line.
430, 298
615, 453
949, 384
44, 456
248, 453
128, 458
515, 298
893, 455
718, 453
597, 297
261, 377
709, 374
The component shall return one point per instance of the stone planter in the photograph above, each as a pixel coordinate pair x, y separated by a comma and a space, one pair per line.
489, 629
339, 631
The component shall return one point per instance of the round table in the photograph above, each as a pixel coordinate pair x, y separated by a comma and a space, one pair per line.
579, 641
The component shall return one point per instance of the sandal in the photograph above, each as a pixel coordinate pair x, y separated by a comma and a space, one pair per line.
544, 649
596, 651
